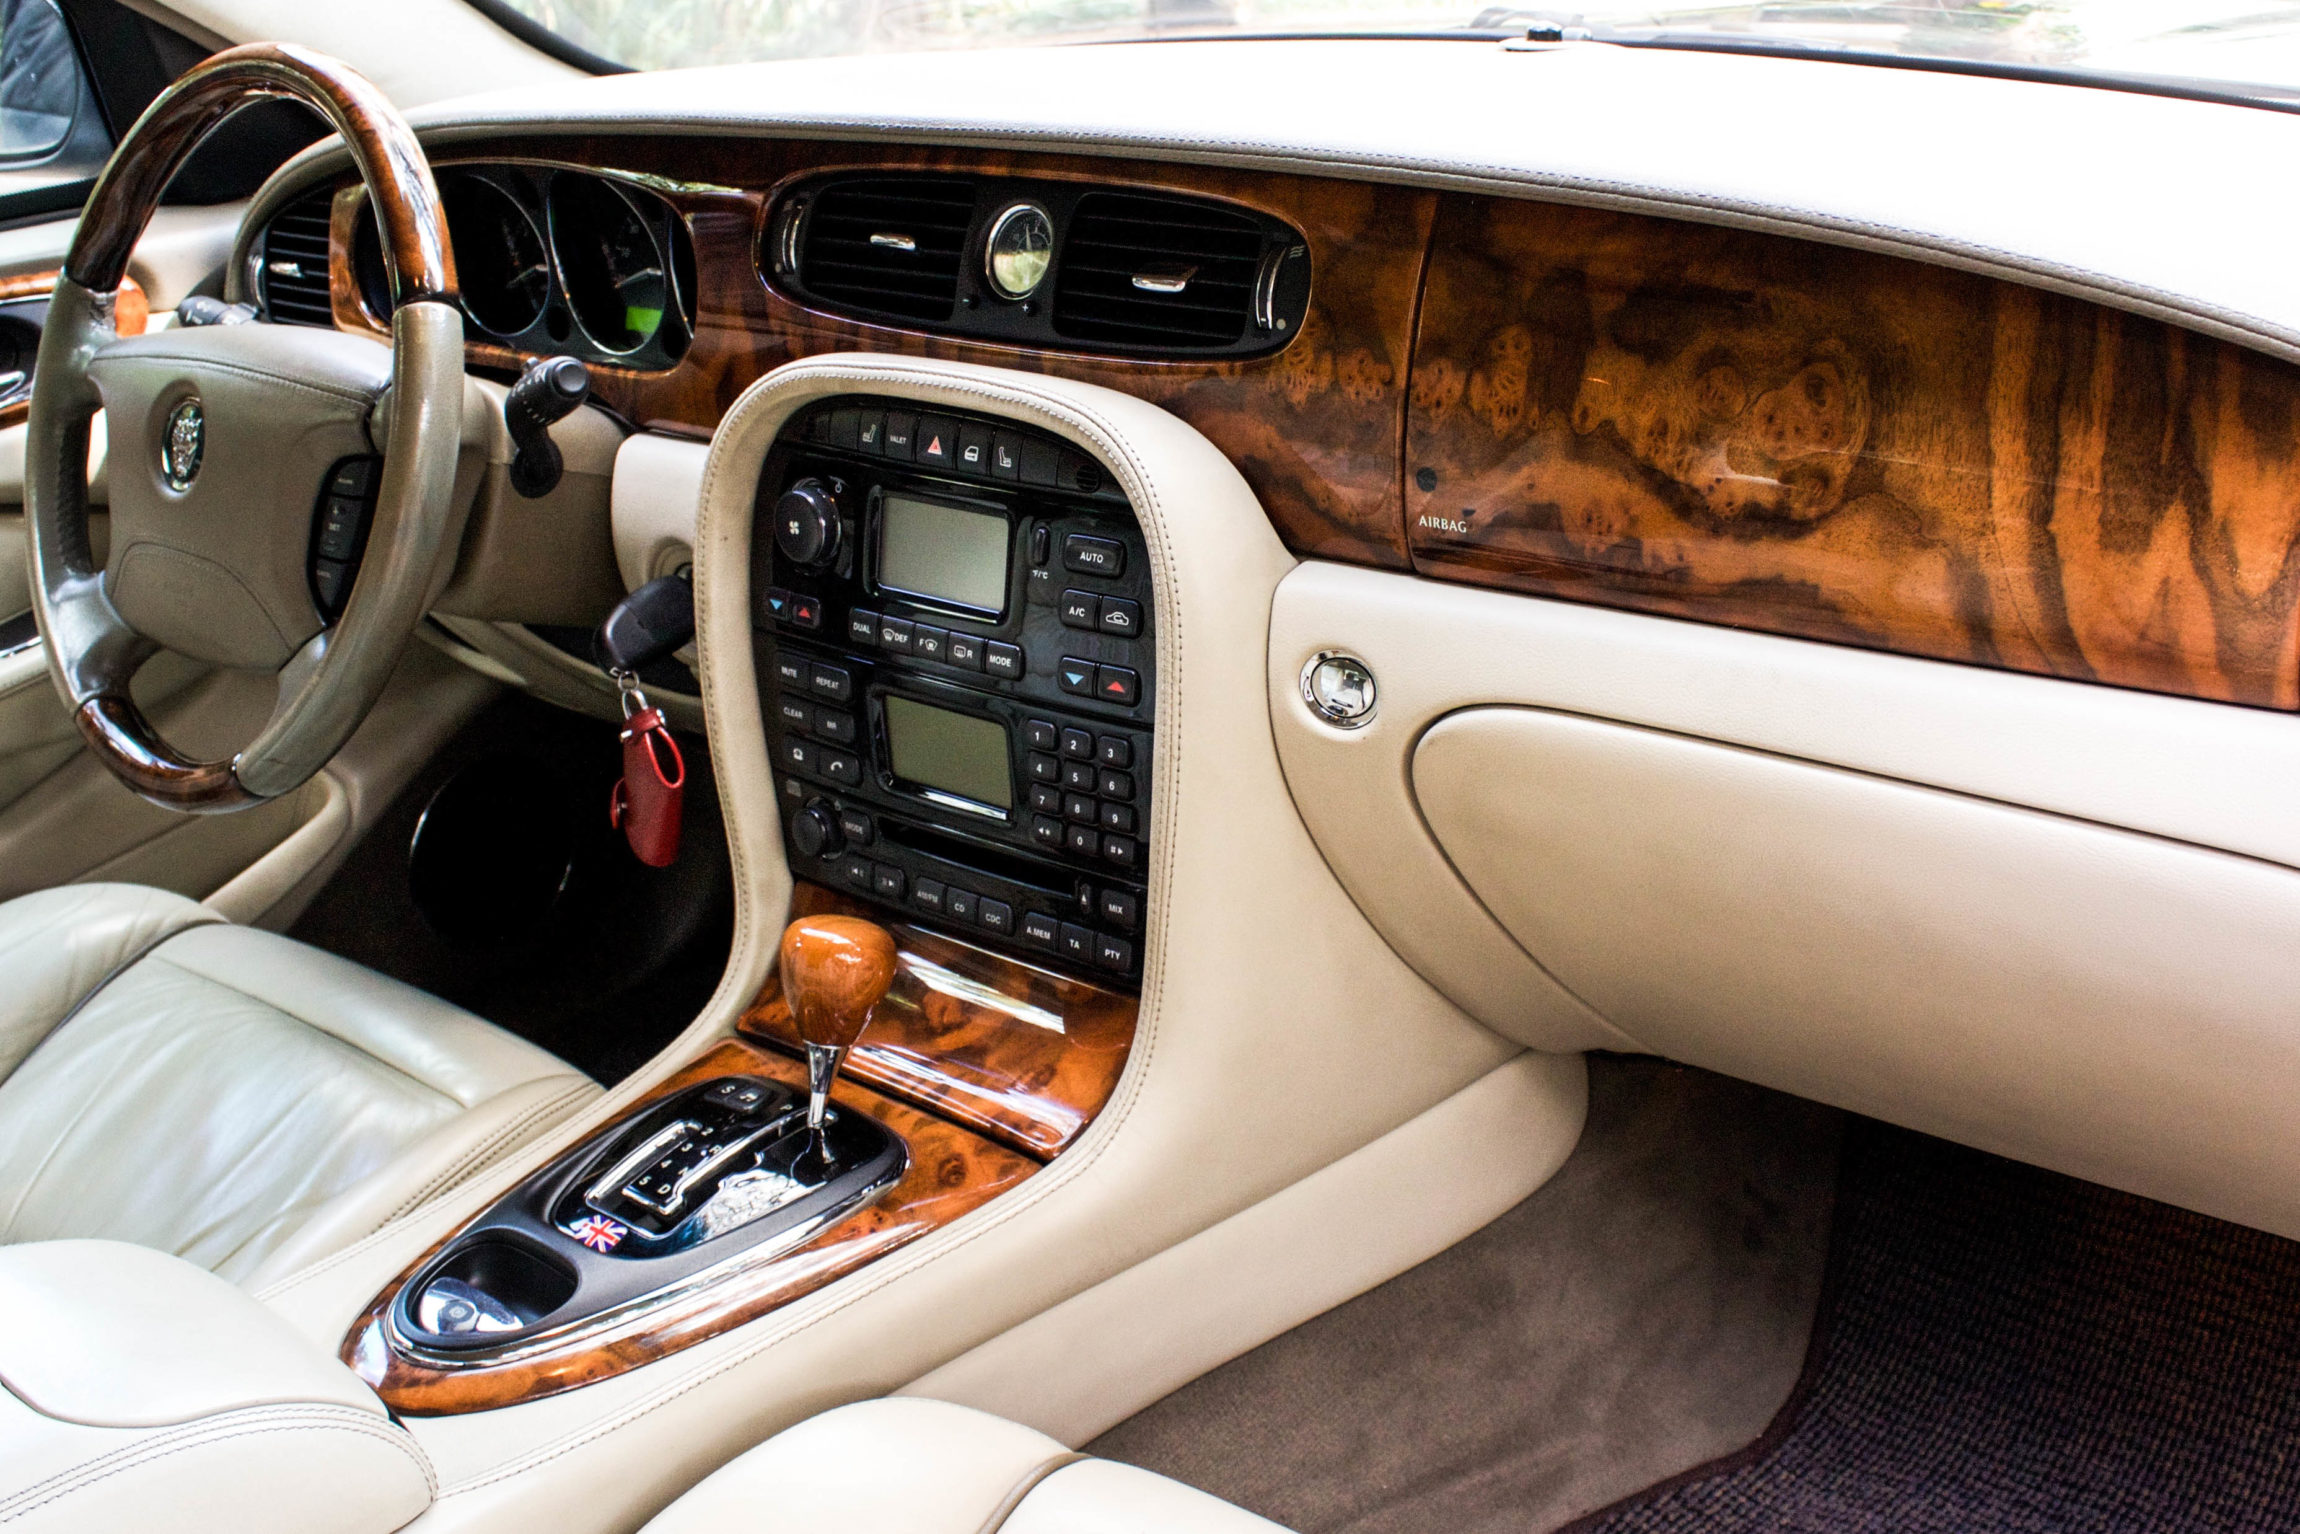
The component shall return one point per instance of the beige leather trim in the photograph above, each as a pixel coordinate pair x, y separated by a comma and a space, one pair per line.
1278, 1032
2111, 1005
543, 560
657, 498
2208, 773
248, 895
1330, 1237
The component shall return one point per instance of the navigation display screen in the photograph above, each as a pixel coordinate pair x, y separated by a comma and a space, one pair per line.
943, 553
956, 753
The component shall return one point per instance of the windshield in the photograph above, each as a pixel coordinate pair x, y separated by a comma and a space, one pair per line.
2245, 47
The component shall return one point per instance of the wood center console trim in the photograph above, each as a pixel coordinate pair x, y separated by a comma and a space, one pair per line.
951, 1173
1021, 1055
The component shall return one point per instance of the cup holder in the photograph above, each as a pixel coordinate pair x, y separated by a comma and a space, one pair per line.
488, 1288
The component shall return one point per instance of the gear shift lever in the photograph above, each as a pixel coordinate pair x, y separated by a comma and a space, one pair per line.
835, 971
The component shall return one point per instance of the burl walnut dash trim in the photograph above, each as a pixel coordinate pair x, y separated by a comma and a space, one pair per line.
1794, 437
951, 1172
1031, 1074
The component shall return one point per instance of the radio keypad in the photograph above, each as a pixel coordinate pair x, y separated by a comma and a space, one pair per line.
1078, 594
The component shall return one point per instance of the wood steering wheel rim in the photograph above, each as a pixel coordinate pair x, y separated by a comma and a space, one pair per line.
332, 682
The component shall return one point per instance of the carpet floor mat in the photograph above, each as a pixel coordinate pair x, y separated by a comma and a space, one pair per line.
2001, 1348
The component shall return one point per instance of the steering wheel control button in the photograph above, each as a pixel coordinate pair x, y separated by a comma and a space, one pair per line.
1339, 689
354, 477
1084, 554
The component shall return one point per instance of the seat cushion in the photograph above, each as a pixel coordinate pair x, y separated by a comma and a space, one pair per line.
907, 1465
238, 1099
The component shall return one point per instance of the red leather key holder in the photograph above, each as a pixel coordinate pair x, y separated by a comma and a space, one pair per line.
649, 803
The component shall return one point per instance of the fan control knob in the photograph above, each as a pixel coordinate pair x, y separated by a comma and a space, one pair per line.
807, 524
815, 831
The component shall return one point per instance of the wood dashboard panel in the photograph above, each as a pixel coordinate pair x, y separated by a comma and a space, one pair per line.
1779, 435
951, 1173
1018, 1054
1314, 429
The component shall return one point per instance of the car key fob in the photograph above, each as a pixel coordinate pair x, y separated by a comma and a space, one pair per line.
649, 804
647, 625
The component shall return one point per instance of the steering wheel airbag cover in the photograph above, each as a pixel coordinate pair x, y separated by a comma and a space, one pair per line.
217, 570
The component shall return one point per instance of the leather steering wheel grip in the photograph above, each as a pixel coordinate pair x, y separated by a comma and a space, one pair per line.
330, 682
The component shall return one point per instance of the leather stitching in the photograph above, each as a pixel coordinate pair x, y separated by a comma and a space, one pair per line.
476, 1157
216, 1430
803, 382
1024, 1487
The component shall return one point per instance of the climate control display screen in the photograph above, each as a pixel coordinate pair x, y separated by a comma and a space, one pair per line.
957, 753
943, 553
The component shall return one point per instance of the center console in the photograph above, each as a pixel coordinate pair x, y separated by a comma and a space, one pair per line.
954, 618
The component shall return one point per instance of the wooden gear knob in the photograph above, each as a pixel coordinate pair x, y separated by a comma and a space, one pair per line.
836, 969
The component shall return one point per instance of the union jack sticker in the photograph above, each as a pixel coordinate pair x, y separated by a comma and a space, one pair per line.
597, 1232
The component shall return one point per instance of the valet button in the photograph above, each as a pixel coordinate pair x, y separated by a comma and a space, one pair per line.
901, 437
1087, 555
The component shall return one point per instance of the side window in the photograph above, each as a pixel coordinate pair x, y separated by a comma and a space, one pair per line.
51, 128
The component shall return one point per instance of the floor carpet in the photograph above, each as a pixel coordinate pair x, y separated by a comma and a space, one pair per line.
2004, 1349
1645, 1311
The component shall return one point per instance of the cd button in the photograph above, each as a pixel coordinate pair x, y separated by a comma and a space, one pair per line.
958, 904
833, 682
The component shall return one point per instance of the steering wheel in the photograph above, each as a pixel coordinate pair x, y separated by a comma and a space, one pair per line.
223, 440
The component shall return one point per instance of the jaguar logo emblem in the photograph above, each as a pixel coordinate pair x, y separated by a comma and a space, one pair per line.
180, 448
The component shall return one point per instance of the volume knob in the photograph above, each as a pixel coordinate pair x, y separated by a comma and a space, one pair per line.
815, 831
807, 524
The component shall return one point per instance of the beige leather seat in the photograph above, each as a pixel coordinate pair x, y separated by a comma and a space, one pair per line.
227, 1095
906, 1465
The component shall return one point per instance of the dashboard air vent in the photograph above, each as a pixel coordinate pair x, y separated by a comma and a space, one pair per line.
292, 266
888, 246
1156, 271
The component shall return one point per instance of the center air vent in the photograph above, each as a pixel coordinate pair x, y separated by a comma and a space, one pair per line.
291, 265
1046, 265
1156, 271
890, 246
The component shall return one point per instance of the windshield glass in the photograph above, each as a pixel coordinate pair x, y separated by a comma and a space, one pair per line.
2249, 47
